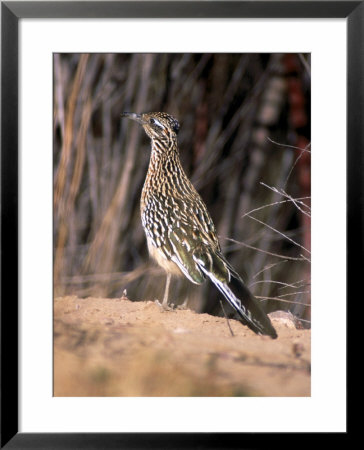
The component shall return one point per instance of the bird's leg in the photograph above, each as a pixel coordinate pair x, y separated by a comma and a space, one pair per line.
164, 305
166, 291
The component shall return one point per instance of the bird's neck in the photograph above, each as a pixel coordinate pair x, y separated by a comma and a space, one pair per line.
164, 147
164, 156
164, 168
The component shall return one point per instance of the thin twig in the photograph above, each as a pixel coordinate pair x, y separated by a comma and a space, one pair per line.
297, 284
269, 267
304, 320
295, 201
227, 320
291, 146
293, 166
274, 282
279, 232
282, 300
266, 252
304, 257
294, 293
290, 200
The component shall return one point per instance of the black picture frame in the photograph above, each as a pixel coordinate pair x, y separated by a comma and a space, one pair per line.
11, 12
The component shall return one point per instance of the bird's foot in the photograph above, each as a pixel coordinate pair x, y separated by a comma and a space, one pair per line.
164, 306
184, 306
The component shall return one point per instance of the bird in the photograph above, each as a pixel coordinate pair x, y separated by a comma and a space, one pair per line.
180, 233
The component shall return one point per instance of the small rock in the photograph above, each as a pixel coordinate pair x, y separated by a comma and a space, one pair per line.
285, 318
180, 331
297, 349
108, 321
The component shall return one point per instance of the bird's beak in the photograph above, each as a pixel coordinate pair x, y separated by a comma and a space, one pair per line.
137, 117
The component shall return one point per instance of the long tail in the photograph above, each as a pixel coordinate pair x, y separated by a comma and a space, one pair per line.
239, 297
247, 307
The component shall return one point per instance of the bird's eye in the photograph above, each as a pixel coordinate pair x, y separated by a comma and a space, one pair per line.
155, 122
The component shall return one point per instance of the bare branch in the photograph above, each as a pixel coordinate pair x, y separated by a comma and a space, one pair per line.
282, 300
279, 232
264, 251
291, 146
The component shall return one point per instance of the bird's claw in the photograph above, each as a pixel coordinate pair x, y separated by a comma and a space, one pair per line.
165, 307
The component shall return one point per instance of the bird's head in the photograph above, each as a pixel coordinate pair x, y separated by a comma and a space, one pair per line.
157, 125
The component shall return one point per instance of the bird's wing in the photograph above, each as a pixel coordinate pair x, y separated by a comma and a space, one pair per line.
173, 228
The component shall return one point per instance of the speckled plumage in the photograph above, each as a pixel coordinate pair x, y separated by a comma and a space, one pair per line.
180, 233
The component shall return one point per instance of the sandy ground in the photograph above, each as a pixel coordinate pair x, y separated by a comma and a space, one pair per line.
115, 347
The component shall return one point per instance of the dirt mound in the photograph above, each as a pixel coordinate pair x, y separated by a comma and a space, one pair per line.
115, 347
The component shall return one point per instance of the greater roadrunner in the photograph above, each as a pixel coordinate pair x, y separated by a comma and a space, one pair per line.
180, 233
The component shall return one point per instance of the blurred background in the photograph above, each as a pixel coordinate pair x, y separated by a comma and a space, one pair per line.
244, 141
